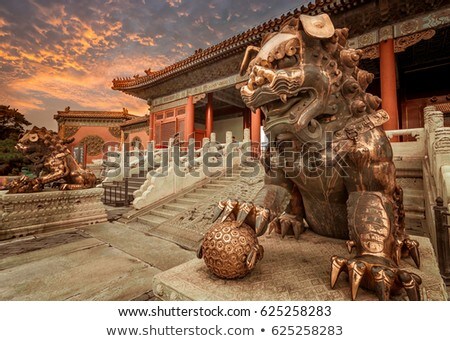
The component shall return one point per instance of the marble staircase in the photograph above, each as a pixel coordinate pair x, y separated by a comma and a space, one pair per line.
161, 214
410, 178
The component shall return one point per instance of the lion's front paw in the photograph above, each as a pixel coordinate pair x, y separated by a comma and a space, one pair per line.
241, 211
287, 223
377, 274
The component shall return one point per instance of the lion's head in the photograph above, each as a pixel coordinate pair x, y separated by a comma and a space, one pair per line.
305, 80
38, 143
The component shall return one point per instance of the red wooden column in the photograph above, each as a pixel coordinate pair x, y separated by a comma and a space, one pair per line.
151, 130
246, 118
256, 129
209, 115
388, 83
189, 123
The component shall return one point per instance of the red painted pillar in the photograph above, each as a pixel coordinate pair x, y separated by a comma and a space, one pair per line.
189, 123
256, 130
151, 130
209, 116
246, 118
388, 83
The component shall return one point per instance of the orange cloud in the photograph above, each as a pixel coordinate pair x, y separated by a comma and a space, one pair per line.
146, 41
3, 23
90, 89
174, 3
52, 14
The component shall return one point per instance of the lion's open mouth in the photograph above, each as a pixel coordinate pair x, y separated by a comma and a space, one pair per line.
292, 105
274, 86
293, 111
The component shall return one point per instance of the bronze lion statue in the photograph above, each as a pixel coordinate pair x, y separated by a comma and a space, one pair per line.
329, 152
53, 162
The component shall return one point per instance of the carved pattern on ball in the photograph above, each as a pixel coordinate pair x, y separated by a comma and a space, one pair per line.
226, 248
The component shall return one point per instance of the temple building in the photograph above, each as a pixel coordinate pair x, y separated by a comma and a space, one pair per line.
405, 45
136, 132
92, 131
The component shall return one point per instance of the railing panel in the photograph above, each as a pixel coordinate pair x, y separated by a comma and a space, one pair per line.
116, 193
442, 238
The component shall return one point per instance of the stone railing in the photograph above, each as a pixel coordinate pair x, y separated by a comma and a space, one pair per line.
436, 173
432, 149
165, 177
408, 149
116, 167
179, 173
438, 151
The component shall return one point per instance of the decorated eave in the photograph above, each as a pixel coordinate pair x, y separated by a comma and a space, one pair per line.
228, 47
135, 121
85, 114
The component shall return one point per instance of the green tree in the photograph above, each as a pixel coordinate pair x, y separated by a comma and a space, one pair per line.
12, 124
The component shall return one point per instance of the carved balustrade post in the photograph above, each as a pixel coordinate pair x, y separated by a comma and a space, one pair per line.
433, 119
441, 156
442, 239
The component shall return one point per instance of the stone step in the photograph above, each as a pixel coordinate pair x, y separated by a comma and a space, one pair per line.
413, 201
215, 186
416, 227
177, 206
151, 220
232, 175
136, 180
222, 182
409, 173
228, 178
195, 195
162, 212
414, 208
188, 201
408, 163
411, 192
414, 215
205, 190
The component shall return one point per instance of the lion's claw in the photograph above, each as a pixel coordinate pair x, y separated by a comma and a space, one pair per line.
230, 206
411, 247
254, 215
286, 223
376, 274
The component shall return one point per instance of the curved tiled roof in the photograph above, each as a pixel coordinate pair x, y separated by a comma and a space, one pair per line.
134, 121
229, 46
95, 114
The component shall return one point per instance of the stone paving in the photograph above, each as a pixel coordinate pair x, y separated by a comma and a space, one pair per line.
113, 261
290, 270
99, 262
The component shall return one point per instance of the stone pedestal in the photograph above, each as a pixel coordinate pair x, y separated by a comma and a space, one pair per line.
29, 213
290, 271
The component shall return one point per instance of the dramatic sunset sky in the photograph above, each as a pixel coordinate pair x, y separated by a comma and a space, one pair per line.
55, 54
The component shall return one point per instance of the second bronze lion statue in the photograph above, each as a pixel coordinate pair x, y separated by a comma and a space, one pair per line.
53, 162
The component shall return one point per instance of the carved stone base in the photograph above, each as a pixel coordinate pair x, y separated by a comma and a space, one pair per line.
30, 213
290, 271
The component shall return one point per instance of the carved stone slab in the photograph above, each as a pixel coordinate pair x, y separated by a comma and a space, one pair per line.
24, 214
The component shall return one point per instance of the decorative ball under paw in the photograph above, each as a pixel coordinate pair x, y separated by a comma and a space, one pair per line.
229, 250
